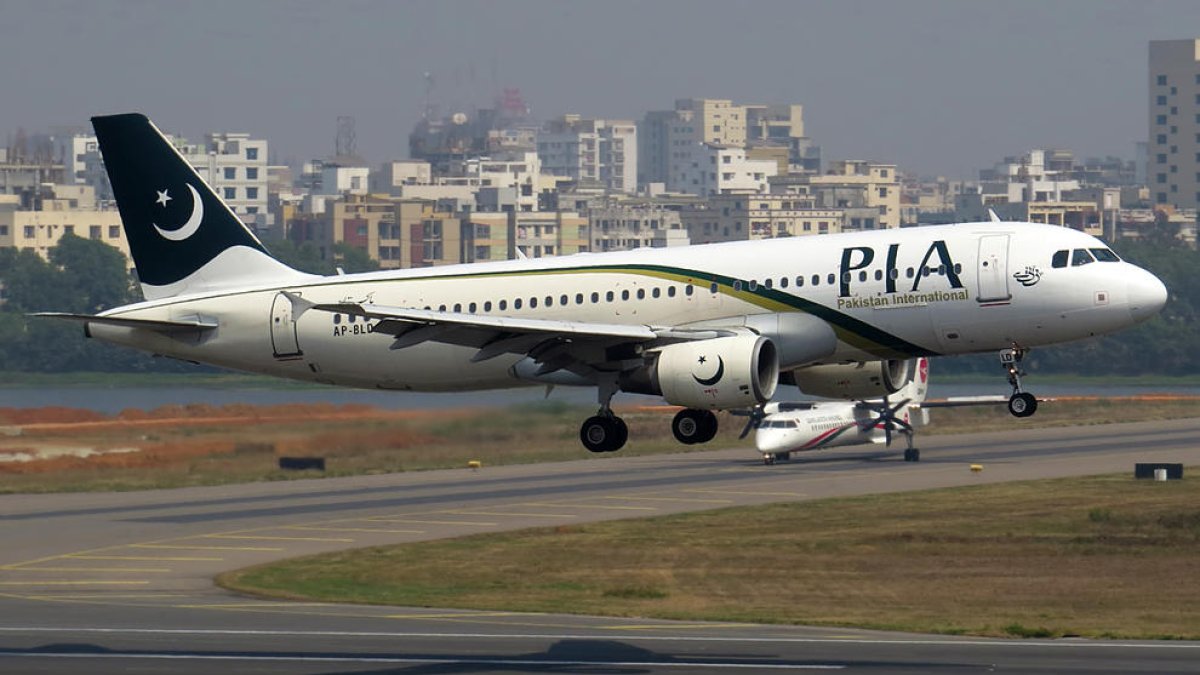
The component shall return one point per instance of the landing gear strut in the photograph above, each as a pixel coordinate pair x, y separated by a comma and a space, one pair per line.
692, 426
604, 431
1021, 403
911, 454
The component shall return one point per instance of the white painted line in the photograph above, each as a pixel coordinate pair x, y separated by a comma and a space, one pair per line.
490, 663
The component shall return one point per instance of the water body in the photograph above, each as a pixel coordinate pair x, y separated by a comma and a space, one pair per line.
111, 400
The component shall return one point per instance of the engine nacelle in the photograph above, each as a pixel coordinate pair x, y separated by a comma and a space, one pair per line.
721, 373
854, 381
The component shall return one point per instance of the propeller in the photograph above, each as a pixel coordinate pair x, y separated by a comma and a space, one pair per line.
754, 419
886, 415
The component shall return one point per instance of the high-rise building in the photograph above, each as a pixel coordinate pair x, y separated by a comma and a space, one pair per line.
590, 151
1173, 167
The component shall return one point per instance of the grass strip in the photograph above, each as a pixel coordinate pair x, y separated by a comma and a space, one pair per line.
1105, 557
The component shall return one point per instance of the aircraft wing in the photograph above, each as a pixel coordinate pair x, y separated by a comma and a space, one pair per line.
577, 346
173, 326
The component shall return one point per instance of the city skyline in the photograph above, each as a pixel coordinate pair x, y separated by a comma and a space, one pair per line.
935, 87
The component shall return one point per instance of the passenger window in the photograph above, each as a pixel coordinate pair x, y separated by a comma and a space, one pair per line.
503, 305
714, 287
754, 284
688, 291
1059, 259
878, 275
768, 283
908, 272
549, 300
816, 279
862, 276
830, 278
441, 308
625, 295
608, 296
1080, 256
471, 308
799, 282
783, 282
641, 294
532, 303
579, 298
657, 292
737, 285
487, 306
595, 297
517, 303
1104, 255
458, 308
671, 291
562, 300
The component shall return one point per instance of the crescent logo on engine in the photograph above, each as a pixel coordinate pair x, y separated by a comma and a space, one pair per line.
710, 381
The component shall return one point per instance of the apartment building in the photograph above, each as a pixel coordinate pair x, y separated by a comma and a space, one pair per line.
1173, 162
67, 209
590, 151
759, 216
709, 169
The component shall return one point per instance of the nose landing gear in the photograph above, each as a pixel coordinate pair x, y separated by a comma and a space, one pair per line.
1021, 403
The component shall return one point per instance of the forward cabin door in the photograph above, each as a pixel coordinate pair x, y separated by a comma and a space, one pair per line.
284, 342
993, 270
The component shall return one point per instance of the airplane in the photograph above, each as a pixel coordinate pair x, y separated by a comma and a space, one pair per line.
710, 327
783, 428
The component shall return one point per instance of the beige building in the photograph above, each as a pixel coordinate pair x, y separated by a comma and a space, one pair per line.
1173, 171
741, 217
40, 230
666, 138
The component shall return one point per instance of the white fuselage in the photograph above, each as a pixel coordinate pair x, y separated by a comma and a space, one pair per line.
887, 294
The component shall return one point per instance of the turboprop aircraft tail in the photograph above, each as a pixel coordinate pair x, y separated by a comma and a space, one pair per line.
183, 238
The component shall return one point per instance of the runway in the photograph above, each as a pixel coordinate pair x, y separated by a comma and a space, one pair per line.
109, 582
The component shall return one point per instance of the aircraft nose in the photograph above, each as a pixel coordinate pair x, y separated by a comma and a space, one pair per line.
1146, 294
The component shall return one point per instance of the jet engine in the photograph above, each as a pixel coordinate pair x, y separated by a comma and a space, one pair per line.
716, 374
854, 381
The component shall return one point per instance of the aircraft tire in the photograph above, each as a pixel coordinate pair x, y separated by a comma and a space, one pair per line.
688, 426
600, 433
1023, 404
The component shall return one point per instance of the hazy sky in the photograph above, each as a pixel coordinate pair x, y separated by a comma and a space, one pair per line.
935, 86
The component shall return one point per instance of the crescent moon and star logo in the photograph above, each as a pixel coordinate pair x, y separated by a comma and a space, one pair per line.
193, 222
710, 381
923, 370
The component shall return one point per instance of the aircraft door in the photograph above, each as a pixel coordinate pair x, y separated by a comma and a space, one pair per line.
993, 269
284, 342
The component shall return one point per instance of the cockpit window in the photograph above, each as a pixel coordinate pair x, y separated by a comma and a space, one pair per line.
1060, 259
1104, 255
1080, 256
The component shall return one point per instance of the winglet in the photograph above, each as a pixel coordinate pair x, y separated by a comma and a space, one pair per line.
299, 304
993, 217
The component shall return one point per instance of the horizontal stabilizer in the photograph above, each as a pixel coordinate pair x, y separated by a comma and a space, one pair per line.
148, 324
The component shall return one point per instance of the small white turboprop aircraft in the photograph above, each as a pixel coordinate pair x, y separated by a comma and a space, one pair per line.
787, 427
706, 327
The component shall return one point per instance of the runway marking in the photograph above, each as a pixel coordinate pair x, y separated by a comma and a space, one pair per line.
199, 547
240, 605
89, 582
150, 570
455, 615
350, 529
384, 519
691, 500
592, 506
748, 492
698, 626
142, 557
540, 664
517, 515
103, 596
272, 538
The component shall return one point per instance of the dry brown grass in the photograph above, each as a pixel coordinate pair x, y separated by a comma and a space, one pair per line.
1100, 556
204, 445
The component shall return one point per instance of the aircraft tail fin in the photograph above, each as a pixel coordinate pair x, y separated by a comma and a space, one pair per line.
182, 236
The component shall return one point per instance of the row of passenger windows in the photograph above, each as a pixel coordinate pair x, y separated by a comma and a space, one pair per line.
1083, 256
671, 291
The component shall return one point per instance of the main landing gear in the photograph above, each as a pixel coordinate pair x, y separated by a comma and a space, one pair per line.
1021, 403
692, 426
604, 431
